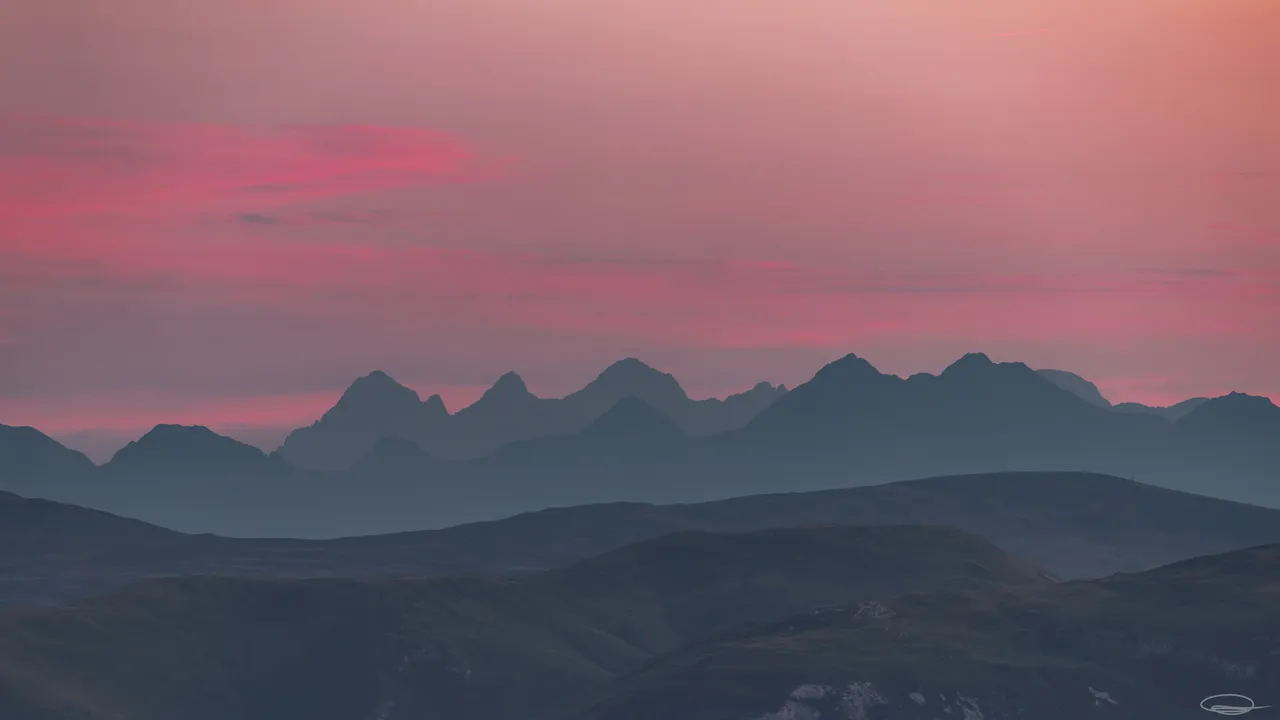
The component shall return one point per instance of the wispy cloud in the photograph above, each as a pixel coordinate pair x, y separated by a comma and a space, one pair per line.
180, 318
59, 167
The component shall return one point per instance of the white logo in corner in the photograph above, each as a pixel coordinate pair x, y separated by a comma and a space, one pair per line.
1230, 704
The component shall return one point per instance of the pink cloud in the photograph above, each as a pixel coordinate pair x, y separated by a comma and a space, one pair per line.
58, 167
195, 256
729, 303
255, 300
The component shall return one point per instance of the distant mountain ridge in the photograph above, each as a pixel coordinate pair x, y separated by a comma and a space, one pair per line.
849, 425
1234, 413
1089, 392
170, 448
1077, 386
375, 406
28, 457
1172, 413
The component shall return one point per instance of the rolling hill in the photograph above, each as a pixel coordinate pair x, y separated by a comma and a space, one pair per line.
1130, 647
869, 623
1073, 524
259, 649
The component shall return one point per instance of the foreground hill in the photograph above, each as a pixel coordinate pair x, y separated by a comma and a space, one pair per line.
1132, 647
877, 623
1073, 524
244, 649
51, 552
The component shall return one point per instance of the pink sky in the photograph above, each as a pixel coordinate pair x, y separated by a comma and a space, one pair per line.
230, 210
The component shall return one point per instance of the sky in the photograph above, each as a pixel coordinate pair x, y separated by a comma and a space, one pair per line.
222, 213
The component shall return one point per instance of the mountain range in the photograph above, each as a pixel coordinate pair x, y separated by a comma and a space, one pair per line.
376, 406
1090, 393
392, 462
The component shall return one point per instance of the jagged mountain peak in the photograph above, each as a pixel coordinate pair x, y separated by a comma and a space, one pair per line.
630, 376
979, 369
510, 384
849, 367
376, 393
628, 365
972, 364
841, 388
435, 406
170, 433
26, 449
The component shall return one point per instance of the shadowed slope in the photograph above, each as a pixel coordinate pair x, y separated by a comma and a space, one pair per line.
1130, 647
1073, 524
215, 649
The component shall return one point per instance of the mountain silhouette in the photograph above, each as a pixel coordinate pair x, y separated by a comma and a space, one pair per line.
974, 381
373, 407
849, 425
507, 408
435, 407
376, 406
1234, 413
623, 379
1171, 413
840, 392
28, 457
1077, 386
1089, 392
189, 449
509, 390
376, 395
850, 402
